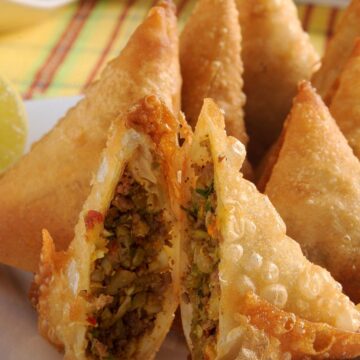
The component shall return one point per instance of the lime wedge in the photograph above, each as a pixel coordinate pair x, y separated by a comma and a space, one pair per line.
13, 125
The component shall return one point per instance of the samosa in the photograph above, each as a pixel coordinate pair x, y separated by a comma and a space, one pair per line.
277, 54
315, 186
247, 290
211, 66
345, 105
47, 188
338, 52
113, 294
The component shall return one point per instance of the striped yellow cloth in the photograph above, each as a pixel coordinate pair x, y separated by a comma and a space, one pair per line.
62, 55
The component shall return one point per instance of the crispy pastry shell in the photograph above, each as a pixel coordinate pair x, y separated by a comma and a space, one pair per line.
59, 289
315, 186
211, 66
48, 186
274, 302
277, 54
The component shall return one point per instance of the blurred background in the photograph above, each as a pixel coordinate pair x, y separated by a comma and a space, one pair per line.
52, 48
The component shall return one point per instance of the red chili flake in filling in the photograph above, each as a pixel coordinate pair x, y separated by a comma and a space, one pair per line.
91, 320
92, 218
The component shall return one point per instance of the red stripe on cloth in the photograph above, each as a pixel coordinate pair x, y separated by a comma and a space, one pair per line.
331, 24
109, 44
47, 71
307, 16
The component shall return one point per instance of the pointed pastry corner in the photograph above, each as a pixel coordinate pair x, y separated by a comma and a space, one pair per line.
152, 117
46, 267
42, 284
213, 112
306, 98
306, 93
164, 8
307, 105
50, 262
168, 5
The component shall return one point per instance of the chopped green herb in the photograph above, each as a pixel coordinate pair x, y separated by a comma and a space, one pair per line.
128, 274
201, 282
207, 191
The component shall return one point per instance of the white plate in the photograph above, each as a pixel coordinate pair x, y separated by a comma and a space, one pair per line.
15, 14
19, 339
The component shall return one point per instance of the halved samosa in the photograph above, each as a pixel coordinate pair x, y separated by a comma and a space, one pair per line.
315, 186
48, 187
247, 290
338, 51
211, 66
113, 294
277, 54
345, 105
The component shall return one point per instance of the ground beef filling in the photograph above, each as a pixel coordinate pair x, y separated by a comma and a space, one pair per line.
201, 282
134, 274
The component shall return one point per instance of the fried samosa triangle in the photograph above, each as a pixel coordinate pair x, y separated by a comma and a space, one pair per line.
277, 54
113, 294
211, 66
345, 105
47, 188
338, 52
247, 290
315, 186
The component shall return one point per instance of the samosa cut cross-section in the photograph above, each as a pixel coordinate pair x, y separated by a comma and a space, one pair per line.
113, 293
48, 186
247, 290
315, 185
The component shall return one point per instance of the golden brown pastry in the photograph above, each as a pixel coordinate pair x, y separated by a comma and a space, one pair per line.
338, 52
48, 187
211, 66
315, 186
247, 290
277, 54
345, 105
114, 292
